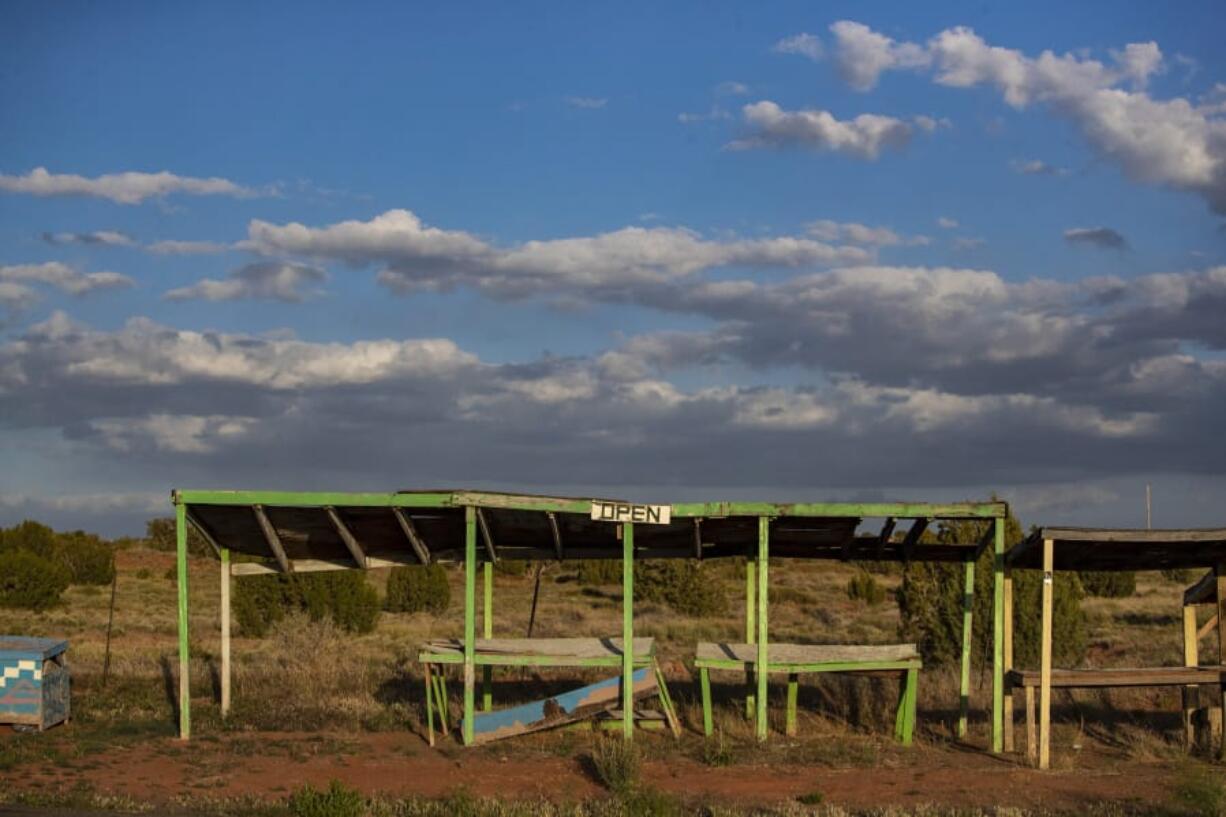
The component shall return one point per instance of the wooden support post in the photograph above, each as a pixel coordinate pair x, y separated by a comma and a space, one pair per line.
1008, 639
1220, 576
751, 627
273, 539
628, 630
912, 697
185, 696
470, 620
704, 679
1032, 741
964, 686
225, 632
762, 663
351, 542
487, 630
557, 534
429, 702
998, 646
410, 533
793, 693
1191, 658
1045, 656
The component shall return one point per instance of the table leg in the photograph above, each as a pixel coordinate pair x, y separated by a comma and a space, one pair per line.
1032, 742
793, 691
908, 724
429, 704
704, 680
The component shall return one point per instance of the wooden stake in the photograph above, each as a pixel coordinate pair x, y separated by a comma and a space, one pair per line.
110, 622
1008, 645
225, 632
762, 664
968, 607
1191, 658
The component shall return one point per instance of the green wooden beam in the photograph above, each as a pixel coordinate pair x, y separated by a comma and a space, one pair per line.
751, 627
998, 638
964, 687
803, 667
763, 564
185, 697
628, 630
315, 499
470, 619
487, 629
912, 510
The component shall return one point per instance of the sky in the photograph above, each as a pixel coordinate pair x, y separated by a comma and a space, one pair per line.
663, 252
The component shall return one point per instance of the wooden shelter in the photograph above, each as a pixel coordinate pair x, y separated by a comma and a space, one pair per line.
295, 532
1105, 549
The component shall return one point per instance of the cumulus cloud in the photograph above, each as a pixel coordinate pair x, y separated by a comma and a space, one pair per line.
805, 45
420, 257
280, 281
123, 188
1169, 142
854, 233
186, 247
1101, 237
106, 238
176, 434
63, 277
863, 137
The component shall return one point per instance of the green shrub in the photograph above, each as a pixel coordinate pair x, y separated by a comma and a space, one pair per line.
87, 557
160, 535
143, 573
342, 596
617, 764
335, 801
418, 589
599, 572
930, 603
1180, 575
863, 587
680, 584
512, 567
1110, 584
29, 581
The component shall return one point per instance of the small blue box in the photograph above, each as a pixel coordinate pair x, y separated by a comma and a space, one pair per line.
34, 682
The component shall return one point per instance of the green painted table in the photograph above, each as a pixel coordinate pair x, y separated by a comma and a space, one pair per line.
901, 660
533, 652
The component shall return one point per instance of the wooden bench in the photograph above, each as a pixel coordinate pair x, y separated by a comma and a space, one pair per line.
891, 660
543, 652
1114, 677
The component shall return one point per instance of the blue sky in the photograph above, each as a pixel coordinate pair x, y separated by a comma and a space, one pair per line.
915, 250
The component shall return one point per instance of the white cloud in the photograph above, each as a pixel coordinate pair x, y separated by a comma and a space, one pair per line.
186, 247
587, 102
64, 277
1168, 142
275, 280
1101, 237
122, 188
731, 88
946, 223
863, 137
715, 114
176, 434
107, 238
1036, 167
805, 45
421, 257
854, 233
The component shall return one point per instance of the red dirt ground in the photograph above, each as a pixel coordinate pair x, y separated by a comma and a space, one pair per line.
399, 764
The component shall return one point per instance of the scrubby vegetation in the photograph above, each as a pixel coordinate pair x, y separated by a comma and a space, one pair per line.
418, 589
681, 584
39, 564
863, 587
160, 535
342, 596
1109, 584
30, 581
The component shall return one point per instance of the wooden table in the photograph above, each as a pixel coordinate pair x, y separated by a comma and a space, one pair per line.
900, 660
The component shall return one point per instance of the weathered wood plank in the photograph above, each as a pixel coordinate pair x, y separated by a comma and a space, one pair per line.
807, 653
271, 537
351, 543
410, 533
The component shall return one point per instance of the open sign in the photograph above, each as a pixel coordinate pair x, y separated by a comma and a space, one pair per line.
603, 511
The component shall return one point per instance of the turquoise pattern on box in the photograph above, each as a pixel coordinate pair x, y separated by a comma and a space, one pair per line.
34, 681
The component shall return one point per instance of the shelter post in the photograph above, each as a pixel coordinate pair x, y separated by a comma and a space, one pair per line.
224, 554
1219, 571
185, 702
998, 647
1008, 665
1191, 658
1045, 657
470, 618
751, 635
968, 606
487, 630
627, 532
761, 665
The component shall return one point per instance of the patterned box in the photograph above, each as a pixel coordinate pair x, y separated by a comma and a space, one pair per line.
34, 682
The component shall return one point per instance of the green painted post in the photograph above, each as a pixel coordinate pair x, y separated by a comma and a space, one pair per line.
793, 692
762, 662
185, 698
908, 723
628, 630
704, 678
751, 637
998, 642
968, 605
470, 618
487, 628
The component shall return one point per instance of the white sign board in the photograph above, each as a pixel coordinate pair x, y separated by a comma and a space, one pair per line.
603, 511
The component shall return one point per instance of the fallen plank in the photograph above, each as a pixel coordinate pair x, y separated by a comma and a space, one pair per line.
569, 707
